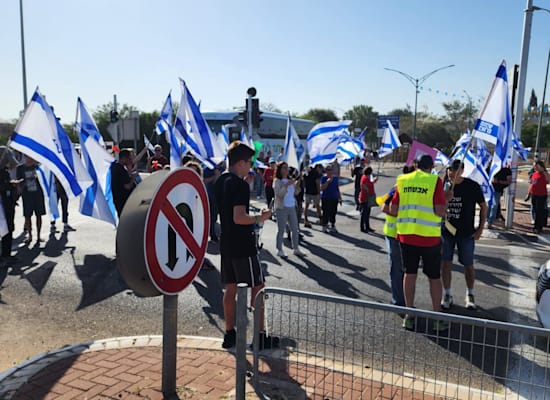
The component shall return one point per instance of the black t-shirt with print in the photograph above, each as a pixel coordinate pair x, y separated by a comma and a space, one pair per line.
312, 186
462, 207
236, 241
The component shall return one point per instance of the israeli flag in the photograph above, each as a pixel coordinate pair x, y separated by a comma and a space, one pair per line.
47, 182
323, 140
348, 149
442, 159
497, 110
244, 138
462, 142
475, 171
164, 121
97, 201
294, 151
148, 144
390, 141
196, 133
495, 119
39, 135
517, 145
483, 153
223, 140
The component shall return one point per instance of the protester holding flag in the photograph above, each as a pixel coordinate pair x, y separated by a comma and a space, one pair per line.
123, 178
330, 197
367, 199
463, 194
285, 208
157, 161
539, 195
8, 193
33, 197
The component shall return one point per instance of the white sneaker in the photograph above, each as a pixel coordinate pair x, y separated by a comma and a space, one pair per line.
470, 303
299, 253
281, 253
447, 302
333, 229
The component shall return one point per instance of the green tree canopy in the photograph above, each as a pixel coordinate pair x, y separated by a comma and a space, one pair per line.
320, 115
364, 116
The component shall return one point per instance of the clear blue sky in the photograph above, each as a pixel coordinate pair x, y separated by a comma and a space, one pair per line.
298, 54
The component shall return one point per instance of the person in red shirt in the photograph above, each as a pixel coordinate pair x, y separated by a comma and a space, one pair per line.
367, 198
539, 195
268, 176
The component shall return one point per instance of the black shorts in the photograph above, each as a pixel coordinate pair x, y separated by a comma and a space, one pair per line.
33, 203
431, 260
242, 270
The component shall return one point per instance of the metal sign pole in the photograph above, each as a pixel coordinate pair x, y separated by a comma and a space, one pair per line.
240, 368
169, 349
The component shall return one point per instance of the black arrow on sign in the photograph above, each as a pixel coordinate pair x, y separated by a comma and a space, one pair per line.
185, 212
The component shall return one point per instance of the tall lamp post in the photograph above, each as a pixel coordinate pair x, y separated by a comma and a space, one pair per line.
542, 107
416, 83
23, 64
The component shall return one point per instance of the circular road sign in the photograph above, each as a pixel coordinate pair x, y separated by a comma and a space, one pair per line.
176, 231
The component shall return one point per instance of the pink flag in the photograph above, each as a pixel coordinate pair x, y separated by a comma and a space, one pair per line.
418, 149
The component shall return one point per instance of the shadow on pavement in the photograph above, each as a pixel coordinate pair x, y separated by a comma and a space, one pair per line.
211, 290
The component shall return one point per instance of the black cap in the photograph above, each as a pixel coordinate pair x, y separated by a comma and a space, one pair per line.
456, 165
425, 162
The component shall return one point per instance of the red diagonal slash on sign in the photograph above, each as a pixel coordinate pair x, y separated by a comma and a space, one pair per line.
181, 228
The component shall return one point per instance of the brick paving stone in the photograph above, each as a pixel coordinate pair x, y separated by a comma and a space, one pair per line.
74, 394
81, 384
116, 389
105, 380
129, 377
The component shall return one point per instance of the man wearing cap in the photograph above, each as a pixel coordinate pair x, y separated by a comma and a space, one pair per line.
459, 231
419, 204
157, 161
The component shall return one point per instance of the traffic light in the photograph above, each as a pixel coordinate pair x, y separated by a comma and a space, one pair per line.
256, 113
114, 116
243, 118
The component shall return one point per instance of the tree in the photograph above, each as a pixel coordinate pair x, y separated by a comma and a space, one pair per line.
320, 115
364, 116
533, 101
270, 107
435, 134
458, 118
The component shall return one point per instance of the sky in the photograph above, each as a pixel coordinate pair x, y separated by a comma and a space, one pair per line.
298, 54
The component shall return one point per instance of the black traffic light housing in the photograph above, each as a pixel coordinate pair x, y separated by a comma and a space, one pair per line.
243, 118
256, 113
114, 116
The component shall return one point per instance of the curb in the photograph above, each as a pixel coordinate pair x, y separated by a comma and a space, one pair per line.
12, 379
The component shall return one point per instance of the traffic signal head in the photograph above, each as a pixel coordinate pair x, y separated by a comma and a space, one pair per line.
114, 116
243, 118
256, 113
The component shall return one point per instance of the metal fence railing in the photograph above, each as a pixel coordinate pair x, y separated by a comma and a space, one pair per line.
335, 348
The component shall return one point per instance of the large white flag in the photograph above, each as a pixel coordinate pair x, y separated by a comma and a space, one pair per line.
196, 133
390, 141
294, 151
323, 140
97, 200
39, 135
475, 171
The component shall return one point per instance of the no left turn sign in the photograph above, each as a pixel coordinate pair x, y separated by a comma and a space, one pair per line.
176, 231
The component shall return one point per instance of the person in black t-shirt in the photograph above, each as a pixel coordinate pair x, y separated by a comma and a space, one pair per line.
357, 173
33, 197
123, 180
462, 232
239, 255
501, 181
313, 190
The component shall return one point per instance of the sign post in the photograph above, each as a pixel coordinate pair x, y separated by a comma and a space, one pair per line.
175, 238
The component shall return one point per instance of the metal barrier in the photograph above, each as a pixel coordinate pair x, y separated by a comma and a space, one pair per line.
336, 348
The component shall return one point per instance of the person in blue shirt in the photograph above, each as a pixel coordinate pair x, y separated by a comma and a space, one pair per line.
330, 197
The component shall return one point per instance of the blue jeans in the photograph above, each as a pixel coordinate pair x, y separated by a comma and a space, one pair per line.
493, 213
396, 271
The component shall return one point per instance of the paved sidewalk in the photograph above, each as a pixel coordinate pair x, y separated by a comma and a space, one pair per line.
131, 368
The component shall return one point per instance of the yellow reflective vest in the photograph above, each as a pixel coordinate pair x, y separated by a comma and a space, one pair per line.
416, 214
390, 227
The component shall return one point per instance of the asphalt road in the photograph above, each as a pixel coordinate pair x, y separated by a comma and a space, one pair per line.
67, 289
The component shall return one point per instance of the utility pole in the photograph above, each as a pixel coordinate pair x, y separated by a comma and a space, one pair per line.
23, 63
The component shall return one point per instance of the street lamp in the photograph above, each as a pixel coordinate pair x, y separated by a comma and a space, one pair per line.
416, 82
542, 107
23, 64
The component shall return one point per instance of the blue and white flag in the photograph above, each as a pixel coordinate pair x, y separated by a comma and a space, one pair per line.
495, 122
390, 141
323, 140
97, 201
441, 158
196, 133
495, 119
39, 135
475, 171
47, 182
462, 143
349, 148
483, 153
164, 121
223, 140
148, 144
244, 138
294, 151
517, 145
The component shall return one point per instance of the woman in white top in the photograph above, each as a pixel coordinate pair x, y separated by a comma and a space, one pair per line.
285, 203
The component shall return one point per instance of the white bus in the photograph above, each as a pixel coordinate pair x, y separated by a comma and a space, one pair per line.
272, 131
